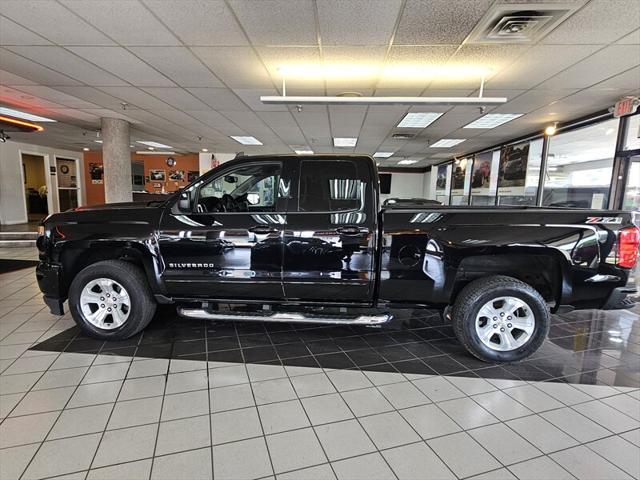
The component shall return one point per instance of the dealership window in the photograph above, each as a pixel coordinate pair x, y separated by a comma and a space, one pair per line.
580, 165
484, 178
441, 182
632, 137
519, 173
461, 181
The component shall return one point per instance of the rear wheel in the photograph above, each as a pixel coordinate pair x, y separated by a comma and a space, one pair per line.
500, 319
111, 300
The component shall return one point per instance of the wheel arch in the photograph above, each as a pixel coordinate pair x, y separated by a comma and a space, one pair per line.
547, 271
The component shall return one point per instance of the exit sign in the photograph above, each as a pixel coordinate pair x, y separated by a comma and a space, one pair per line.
625, 106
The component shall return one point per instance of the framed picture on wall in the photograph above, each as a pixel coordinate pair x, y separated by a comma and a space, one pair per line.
157, 175
176, 175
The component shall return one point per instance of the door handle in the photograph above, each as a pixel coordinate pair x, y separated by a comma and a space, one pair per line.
348, 230
263, 229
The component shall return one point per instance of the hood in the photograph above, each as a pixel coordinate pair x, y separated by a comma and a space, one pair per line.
118, 206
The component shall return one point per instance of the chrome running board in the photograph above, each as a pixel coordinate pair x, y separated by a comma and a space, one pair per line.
290, 317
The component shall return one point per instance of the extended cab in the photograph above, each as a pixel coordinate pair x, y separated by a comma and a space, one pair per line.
304, 239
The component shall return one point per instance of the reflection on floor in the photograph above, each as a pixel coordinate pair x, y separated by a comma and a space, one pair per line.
190, 399
590, 347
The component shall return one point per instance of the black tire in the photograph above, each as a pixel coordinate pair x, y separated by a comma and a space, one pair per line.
479, 292
143, 305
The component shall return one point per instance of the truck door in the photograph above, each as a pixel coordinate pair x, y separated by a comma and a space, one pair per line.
330, 235
228, 243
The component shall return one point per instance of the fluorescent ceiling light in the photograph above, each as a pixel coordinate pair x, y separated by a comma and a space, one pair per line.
149, 152
418, 119
205, 149
153, 144
492, 120
382, 154
303, 152
98, 141
344, 141
407, 162
369, 70
23, 115
333, 100
447, 142
246, 140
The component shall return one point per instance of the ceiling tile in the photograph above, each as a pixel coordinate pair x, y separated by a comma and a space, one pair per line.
124, 64
540, 63
56, 96
93, 95
64, 61
13, 34
314, 124
632, 39
26, 68
237, 67
428, 22
179, 64
603, 64
177, 98
283, 124
424, 56
199, 22
277, 22
251, 97
8, 78
128, 22
47, 18
219, 98
628, 80
598, 22
136, 97
275, 57
532, 100
346, 120
357, 22
370, 55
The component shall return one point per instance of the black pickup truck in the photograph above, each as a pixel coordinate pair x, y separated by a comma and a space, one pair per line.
304, 239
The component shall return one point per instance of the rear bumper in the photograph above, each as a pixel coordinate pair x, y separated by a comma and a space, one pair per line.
49, 280
621, 298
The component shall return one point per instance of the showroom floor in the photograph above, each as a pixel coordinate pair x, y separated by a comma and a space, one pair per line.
191, 399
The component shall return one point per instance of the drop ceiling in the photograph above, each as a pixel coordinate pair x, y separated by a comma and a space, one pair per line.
190, 73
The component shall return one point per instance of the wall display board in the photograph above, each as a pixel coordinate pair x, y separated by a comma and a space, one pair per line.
512, 173
481, 174
443, 183
461, 177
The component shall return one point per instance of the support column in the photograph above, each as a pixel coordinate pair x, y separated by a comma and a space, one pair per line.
116, 159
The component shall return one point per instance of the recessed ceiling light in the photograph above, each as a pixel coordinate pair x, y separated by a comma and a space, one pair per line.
205, 149
86, 149
344, 141
98, 141
153, 144
382, 154
304, 152
407, 162
23, 115
492, 120
150, 148
447, 142
418, 119
246, 140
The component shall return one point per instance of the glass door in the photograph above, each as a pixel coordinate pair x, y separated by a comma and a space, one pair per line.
631, 199
67, 183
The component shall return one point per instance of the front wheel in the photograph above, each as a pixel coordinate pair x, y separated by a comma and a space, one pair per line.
500, 319
111, 300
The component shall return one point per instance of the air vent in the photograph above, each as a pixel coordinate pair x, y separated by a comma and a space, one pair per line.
506, 23
403, 136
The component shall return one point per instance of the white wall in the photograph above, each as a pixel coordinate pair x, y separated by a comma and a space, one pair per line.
406, 185
13, 207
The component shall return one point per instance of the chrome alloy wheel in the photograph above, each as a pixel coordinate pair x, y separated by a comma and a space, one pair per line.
505, 323
105, 303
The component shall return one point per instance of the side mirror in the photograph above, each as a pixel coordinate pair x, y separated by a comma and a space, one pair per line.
184, 204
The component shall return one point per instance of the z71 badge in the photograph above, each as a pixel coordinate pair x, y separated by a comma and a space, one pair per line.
610, 220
